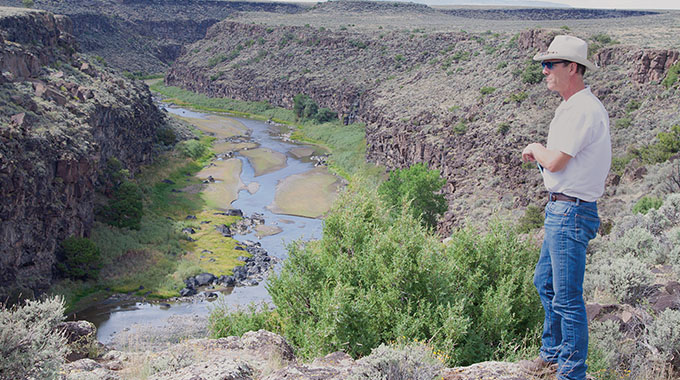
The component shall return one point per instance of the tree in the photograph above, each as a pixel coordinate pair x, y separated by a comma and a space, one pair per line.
421, 187
125, 208
82, 259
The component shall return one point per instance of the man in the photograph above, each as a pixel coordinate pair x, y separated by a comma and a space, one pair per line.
574, 165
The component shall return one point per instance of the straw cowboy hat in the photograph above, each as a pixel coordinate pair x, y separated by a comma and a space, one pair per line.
568, 48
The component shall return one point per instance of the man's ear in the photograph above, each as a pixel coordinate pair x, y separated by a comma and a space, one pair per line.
573, 68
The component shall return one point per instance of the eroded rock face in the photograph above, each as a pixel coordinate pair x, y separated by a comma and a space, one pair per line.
652, 65
64, 118
535, 39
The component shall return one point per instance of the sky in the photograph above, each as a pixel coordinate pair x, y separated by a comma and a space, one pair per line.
611, 4
623, 4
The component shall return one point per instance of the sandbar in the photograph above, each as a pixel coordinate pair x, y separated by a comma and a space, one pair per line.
232, 146
265, 160
218, 126
301, 152
227, 176
309, 194
264, 230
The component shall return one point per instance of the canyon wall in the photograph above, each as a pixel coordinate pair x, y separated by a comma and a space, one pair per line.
62, 118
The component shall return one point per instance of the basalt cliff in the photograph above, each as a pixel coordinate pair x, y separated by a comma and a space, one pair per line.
145, 37
63, 117
464, 103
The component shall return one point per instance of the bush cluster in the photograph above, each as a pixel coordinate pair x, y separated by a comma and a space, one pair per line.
620, 267
82, 259
30, 346
647, 203
305, 108
671, 76
125, 208
419, 186
373, 279
532, 73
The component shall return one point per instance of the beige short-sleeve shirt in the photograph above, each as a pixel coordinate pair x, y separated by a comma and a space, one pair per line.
580, 129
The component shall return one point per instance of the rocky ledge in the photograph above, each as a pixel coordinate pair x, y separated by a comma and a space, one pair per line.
267, 356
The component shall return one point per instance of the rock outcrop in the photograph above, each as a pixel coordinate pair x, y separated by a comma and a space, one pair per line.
63, 118
259, 355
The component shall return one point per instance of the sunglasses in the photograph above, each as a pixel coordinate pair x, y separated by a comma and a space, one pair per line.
549, 65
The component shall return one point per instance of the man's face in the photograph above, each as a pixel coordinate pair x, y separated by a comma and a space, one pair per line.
556, 74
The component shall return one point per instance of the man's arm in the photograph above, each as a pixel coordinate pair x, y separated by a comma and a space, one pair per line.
552, 160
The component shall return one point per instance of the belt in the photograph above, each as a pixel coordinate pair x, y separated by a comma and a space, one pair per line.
563, 197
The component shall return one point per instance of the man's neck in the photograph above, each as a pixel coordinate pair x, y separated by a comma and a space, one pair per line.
575, 86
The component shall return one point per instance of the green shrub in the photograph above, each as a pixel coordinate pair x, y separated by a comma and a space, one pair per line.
372, 279
214, 60
82, 259
419, 186
460, 128
325, 114
668, 144
646, 203
30, 346
623, 123
112, 175
518, 97
602, 38
619, 163
166, 136
358, 44
125, 208
633, 105
671, 75
503, 128
27, 3
533, 218
194, 149
487, 90
501, 65
532, 73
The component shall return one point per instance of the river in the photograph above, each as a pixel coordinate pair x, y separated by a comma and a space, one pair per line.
115, 316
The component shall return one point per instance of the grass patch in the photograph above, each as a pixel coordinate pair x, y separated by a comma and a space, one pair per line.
254, 110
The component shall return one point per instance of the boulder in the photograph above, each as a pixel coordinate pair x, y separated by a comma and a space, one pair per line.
224, 230
204, 279
81, 337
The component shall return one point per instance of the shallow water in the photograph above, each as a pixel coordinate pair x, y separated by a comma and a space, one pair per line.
113, 316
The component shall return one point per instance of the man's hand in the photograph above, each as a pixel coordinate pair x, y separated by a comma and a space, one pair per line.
552, 160
528, 154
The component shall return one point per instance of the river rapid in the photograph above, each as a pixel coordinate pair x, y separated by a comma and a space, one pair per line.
271, 167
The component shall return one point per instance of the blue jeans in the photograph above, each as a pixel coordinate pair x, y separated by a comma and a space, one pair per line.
569, 226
